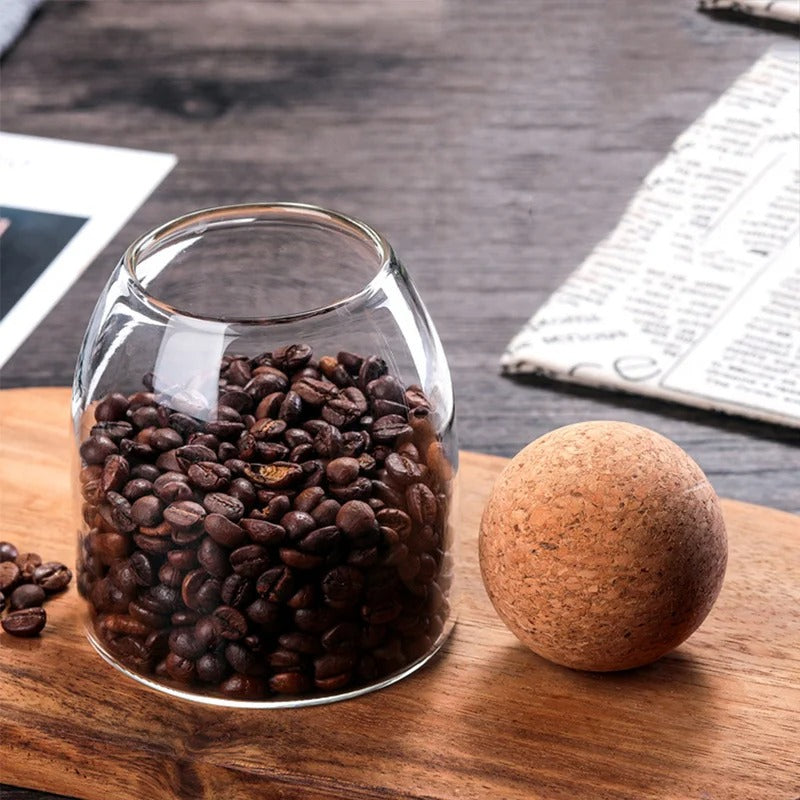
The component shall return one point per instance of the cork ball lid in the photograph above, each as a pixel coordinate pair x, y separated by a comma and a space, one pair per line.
602, 546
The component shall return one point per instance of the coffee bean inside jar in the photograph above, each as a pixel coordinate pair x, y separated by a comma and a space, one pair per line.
295, 543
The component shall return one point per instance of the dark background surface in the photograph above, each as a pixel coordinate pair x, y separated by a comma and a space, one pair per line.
493, 143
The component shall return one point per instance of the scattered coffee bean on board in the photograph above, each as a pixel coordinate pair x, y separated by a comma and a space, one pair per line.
293, 539
25, 584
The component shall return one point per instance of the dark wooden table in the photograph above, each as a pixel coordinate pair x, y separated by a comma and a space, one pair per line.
493, 143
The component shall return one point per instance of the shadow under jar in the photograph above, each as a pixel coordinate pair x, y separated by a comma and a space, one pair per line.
266, 459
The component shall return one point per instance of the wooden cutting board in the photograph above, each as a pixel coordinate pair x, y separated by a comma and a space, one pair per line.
718, 718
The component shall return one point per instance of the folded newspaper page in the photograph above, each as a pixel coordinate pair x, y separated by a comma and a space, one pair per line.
695, 296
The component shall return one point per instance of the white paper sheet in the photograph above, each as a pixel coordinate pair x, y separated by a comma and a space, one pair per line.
60, 204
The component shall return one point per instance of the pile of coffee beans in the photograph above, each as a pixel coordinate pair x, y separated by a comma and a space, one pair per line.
25, 583
294, 540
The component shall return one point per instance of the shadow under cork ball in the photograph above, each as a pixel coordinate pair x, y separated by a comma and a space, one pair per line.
602, 546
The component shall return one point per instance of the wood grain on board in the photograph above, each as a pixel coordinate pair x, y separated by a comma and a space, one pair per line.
717, 718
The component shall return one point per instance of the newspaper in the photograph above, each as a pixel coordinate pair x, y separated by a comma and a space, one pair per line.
695, 296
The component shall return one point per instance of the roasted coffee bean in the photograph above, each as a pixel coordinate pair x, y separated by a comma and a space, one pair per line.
264, 532
342, 586
290, 683
184, 514
387, 429
204, 440
183, 424
299, 559
179, 668
238, 372
243, 660
214, 558
396, 519
268, 452
328, 441
276, 584
111, 407
264, 613
355, 518
285, 660
299, 642
163, 439
292, 357
147, 510
10, 575
305, 597
170, 575
150, 544
301, 453
26, 622
136, 488
277, 475
315, 392
309, 498
115, 473
298, 523
403, 470
229, 623
184, 643
250, 560
97, 448
342, 470
243, 687
161, 598
244, 491
224, 504
209, 476
330, 665
270, 405
236, 398
321, 541
314, 620
224, 428
265, 384
237, 591
211, 668
204, 632
132, 449
52, 576
342, 637
173, 489
143, 571
8, 552
115, 430
421, 504
372, 367
266, 429
354, 444
26, 596
291, 408
325, 513
224, 531
192, 453
277, 506
359, 489
350, 361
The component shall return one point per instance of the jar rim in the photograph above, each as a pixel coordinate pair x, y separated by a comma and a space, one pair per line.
242, 214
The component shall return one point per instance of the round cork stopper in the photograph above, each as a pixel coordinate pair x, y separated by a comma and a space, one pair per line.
602, 546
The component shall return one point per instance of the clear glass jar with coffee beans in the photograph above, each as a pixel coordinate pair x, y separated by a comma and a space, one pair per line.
279, 533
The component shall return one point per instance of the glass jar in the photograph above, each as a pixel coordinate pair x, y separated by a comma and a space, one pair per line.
265, 462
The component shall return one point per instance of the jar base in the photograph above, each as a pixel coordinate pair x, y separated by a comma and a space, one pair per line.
273, 702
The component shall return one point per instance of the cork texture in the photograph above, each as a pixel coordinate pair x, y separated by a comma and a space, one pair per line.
602, 546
